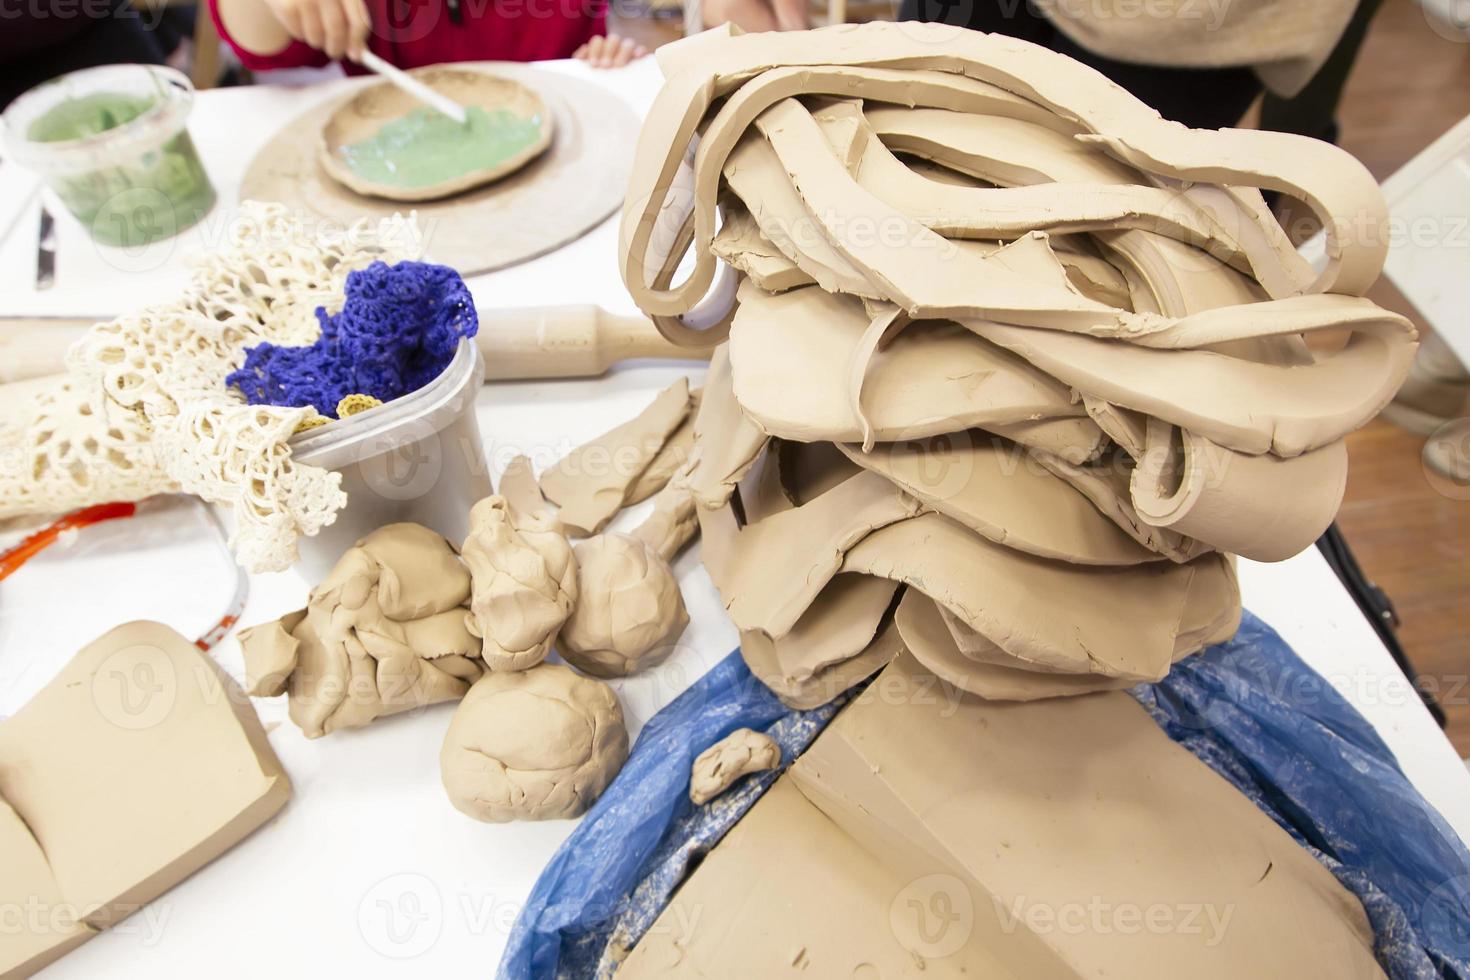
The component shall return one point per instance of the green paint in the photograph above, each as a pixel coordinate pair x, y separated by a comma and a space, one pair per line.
86, 116
151, 196
426, 147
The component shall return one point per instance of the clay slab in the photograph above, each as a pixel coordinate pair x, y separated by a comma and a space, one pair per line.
182, 763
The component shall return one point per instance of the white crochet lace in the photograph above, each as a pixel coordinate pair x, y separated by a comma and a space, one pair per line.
144, 408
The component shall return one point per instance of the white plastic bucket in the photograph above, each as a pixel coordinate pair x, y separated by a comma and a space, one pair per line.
132, 184
417, 458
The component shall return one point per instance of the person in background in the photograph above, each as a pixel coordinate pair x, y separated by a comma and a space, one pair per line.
46, 38
757, 15
1199, 63
269, 34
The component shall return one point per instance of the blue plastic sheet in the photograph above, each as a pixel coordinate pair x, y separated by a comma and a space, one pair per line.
1253, 712
1249, 708
587, 888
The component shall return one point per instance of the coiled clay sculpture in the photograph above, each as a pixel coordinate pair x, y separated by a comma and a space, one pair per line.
384, 632
1014, 367
538, 744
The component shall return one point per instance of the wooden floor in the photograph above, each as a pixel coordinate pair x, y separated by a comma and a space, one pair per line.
1409, 86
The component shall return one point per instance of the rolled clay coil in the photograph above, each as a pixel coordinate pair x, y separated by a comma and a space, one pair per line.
1242, 504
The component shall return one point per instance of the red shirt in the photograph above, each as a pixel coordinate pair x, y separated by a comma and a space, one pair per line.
413, 33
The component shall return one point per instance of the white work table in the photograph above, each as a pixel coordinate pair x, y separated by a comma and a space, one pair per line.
369, 871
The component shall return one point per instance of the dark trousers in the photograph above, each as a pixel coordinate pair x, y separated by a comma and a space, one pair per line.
121, 36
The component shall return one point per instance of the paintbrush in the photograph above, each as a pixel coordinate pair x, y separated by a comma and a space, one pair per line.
414, 87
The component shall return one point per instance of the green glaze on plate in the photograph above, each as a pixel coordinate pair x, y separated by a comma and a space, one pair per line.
424, 147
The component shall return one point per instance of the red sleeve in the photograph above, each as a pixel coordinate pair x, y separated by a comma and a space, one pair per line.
297, 54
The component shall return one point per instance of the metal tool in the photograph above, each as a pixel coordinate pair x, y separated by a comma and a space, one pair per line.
46, 251
13, 201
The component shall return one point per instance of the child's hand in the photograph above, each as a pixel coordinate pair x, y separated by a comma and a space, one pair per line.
610, 51
337, 27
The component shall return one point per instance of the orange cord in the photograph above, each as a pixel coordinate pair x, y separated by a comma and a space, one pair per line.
47, 536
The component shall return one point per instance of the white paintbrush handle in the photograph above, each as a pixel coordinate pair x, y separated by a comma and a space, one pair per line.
414, 87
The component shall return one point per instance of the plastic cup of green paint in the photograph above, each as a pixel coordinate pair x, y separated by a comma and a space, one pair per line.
112, 144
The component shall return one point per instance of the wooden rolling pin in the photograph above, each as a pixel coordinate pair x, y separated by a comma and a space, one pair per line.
568, 342
33, 347
531, 342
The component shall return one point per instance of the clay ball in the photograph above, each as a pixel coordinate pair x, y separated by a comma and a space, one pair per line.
539, 744
629, 611
524, 583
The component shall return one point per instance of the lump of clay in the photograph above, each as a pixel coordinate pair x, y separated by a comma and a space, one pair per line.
629, 609
738, 754
630, 605
386, 631
539, 744
524, 583
519, 487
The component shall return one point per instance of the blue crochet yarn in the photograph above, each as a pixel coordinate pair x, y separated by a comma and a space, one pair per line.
397, 331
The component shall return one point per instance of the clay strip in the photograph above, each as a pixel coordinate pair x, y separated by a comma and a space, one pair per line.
779, 565
1249, 407
997, 489
1069, 618
933, 378
727, 442
591, 482
1253, 506
1338, 188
